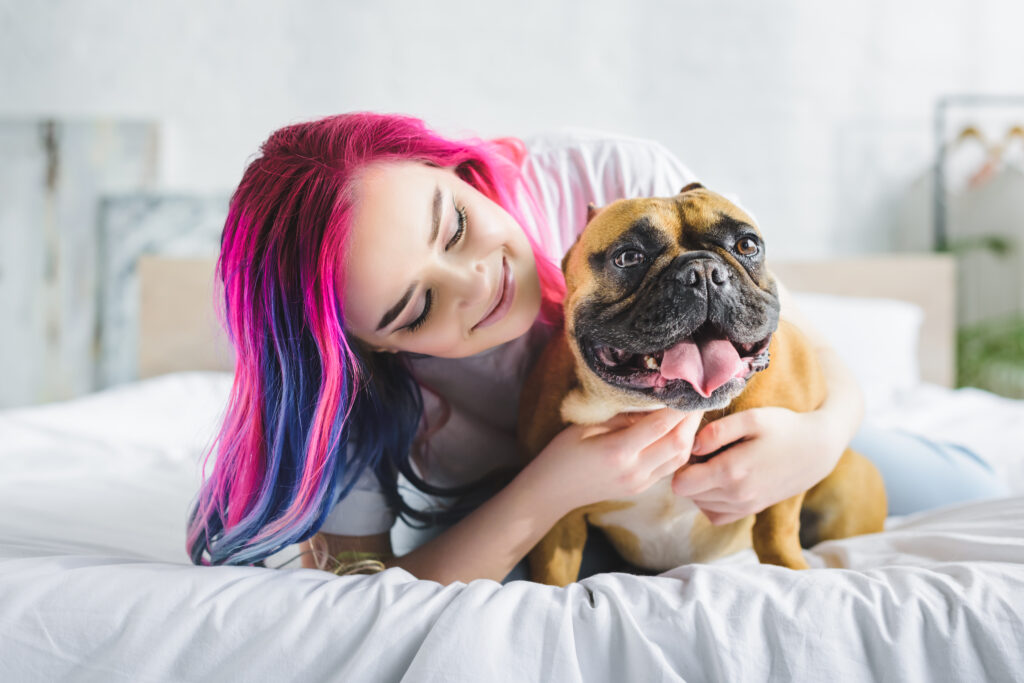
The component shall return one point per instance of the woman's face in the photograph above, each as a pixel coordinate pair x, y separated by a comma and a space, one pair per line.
396, 269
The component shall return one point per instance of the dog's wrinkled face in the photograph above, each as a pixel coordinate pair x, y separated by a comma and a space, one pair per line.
669, 300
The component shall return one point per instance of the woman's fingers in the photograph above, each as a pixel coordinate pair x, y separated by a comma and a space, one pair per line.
723, 470
726, 470
672, 451
614, 424
717, 496
645, 431
721, 506
666, 468
695, 479
724, 431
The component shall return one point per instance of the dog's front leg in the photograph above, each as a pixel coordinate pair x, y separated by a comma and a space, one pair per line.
556, 559
776, 534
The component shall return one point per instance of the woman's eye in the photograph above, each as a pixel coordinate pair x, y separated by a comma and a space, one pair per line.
423, 316
460, 231
628, 258
746, 246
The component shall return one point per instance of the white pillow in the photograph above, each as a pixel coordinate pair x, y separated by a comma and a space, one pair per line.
876, 338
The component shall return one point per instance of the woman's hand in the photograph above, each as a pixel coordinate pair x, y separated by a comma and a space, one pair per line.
778, 453
617, 458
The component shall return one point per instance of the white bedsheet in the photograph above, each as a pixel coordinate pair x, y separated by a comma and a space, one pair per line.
95, 583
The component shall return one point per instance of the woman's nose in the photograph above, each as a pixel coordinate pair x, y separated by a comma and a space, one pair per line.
471, 284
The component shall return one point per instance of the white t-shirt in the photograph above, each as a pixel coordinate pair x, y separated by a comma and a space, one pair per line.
565, 171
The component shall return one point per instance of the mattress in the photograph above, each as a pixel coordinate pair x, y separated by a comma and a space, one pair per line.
95, 583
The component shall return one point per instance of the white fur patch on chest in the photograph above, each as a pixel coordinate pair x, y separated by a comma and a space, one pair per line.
663, 526
660, 521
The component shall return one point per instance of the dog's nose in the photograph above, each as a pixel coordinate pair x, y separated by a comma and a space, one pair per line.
697, 273
717, 273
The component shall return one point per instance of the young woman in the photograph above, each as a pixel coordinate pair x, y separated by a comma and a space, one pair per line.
362, 263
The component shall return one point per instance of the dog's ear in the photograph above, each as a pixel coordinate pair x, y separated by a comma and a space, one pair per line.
592, 210
565, 258
691, 186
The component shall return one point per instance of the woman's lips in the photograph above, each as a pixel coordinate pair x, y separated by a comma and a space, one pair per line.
505, 297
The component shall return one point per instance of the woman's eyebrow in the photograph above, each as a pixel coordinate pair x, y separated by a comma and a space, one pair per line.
435, 226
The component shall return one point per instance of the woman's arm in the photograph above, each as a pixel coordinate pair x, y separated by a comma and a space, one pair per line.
777, 453
583, 464
487, 543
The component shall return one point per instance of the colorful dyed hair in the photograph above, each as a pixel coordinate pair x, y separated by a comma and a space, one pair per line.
301, 393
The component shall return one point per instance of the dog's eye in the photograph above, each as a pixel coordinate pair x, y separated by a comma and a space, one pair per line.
746, 246
628, 258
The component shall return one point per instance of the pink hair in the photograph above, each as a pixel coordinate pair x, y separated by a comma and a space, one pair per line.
300, 381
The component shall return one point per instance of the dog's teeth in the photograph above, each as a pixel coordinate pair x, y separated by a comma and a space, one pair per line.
651, 362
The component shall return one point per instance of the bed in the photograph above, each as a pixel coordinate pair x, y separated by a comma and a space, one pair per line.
95, 584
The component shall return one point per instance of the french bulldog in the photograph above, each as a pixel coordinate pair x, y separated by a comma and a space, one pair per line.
670, 302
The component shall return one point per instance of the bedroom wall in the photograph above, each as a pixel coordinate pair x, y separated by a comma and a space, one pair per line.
818, 115
812, 112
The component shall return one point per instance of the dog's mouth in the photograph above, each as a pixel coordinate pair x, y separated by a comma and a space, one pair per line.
706, 360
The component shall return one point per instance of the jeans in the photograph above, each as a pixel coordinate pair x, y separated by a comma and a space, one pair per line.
921, 474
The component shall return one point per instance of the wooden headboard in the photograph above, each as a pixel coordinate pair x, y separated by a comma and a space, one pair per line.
928, 280
178, 326
178, 329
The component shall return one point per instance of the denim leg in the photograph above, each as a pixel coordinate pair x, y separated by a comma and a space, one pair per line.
920, 473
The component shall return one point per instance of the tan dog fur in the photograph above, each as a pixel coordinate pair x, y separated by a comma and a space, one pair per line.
561, 389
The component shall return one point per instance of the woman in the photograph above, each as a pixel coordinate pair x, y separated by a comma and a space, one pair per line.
360, 262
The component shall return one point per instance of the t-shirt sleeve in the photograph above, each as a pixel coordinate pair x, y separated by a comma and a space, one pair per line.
568, 169
362, 512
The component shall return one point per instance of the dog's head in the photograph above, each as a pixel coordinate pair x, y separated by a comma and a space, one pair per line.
669, 301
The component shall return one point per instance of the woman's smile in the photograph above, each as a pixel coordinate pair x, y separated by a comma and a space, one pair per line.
506, 290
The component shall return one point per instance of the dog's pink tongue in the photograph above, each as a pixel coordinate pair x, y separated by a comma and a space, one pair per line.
706, 363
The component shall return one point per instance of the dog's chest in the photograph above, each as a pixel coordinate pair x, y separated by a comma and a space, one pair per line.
660, 530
